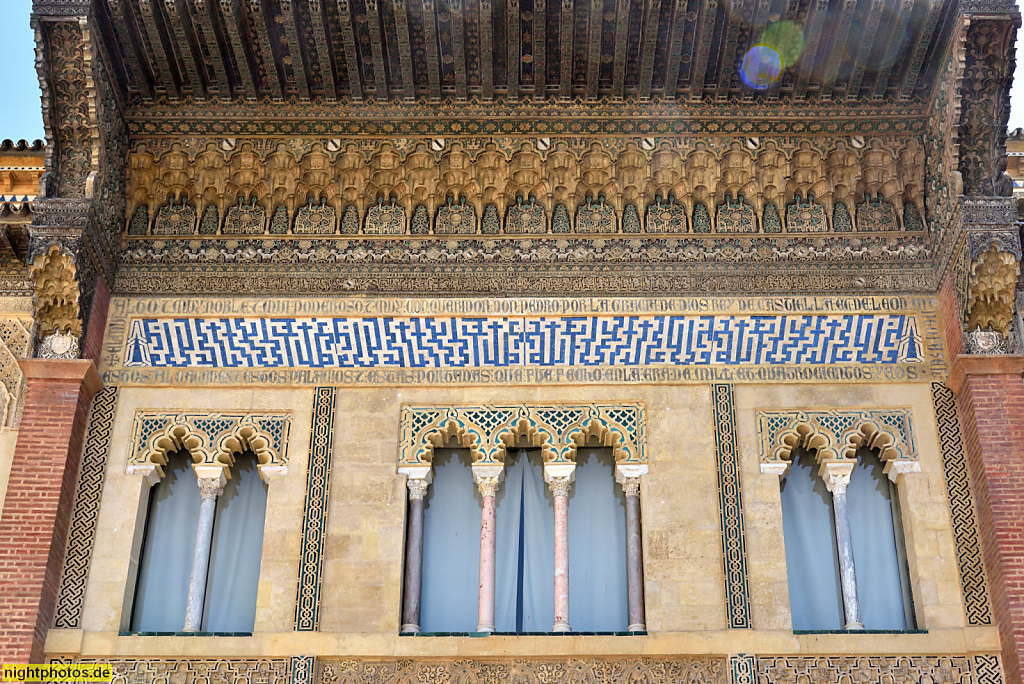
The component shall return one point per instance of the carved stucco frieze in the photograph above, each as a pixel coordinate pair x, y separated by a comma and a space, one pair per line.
993, 241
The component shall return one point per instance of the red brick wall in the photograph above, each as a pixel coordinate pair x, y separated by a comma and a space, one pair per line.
991, 398
949, 310
92, 346
40, 492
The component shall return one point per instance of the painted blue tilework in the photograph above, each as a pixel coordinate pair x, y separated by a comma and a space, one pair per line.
461, 342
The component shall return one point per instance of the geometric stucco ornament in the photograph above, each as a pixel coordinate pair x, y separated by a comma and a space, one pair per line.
980, 341
59, 345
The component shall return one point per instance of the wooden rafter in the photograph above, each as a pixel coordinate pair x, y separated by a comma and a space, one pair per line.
540, 49
835, 55
316, 23
404, 49
151, 35
595, 16
619, 55
487, 49
348, 42
648, 45
675, 49
129, 47
177, 15
234, 26
514, 45
295, 73
433, 55
380, 79
458, 47
259, 26
702, 41
565, 49
202, 21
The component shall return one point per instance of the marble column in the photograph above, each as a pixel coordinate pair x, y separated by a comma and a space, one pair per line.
413, 556
488, 485
837, 478
211, 485
634, 556
560, 488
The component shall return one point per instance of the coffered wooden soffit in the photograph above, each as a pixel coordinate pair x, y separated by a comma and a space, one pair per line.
853, 51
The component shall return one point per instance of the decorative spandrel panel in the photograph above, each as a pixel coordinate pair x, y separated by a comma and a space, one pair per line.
576, 341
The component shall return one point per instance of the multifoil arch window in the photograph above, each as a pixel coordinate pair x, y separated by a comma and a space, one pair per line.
517, 512
842, 525
202, 538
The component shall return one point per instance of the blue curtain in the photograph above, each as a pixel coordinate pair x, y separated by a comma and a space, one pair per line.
161, 591
597, 546
451, 546
812, 559
237, 547
882, 578
524, 592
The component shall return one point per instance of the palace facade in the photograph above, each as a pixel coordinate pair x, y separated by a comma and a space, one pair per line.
499, 341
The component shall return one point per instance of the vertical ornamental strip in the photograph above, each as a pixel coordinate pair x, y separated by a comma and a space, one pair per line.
314, 517
731, 508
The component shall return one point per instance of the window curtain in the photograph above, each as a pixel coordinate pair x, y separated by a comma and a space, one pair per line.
451, 546
812, 559
882, 577
525, 548
597, 546
161, 591
237, 547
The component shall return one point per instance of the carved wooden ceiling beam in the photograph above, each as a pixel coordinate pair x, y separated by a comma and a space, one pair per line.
350, 51
202, 22
234, 26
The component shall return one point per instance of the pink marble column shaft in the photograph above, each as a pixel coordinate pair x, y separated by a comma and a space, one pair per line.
488, 520
560, 488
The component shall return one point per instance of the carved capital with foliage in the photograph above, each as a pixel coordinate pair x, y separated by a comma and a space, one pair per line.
995, 253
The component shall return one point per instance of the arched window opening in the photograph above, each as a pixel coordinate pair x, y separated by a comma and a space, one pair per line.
525, 546
597, 545
168, 542
880, 596
236, 550
173, 528
879, 550
451, 545
812, 556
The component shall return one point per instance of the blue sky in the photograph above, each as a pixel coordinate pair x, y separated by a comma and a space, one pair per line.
20, 114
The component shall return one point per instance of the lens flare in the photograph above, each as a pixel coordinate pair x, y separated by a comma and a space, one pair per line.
761, 67
787, 38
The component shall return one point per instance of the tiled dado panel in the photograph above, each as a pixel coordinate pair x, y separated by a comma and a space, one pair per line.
742, 669
356, 341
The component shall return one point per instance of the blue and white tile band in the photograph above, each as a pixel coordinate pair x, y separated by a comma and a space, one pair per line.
474, 342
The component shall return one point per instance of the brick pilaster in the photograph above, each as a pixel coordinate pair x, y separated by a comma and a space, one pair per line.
990, 393
40, 493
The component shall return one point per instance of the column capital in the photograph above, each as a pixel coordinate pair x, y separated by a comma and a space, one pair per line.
211, 480
836, 475
630, 486
488, 477
560, 485
417, 488
82, 370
